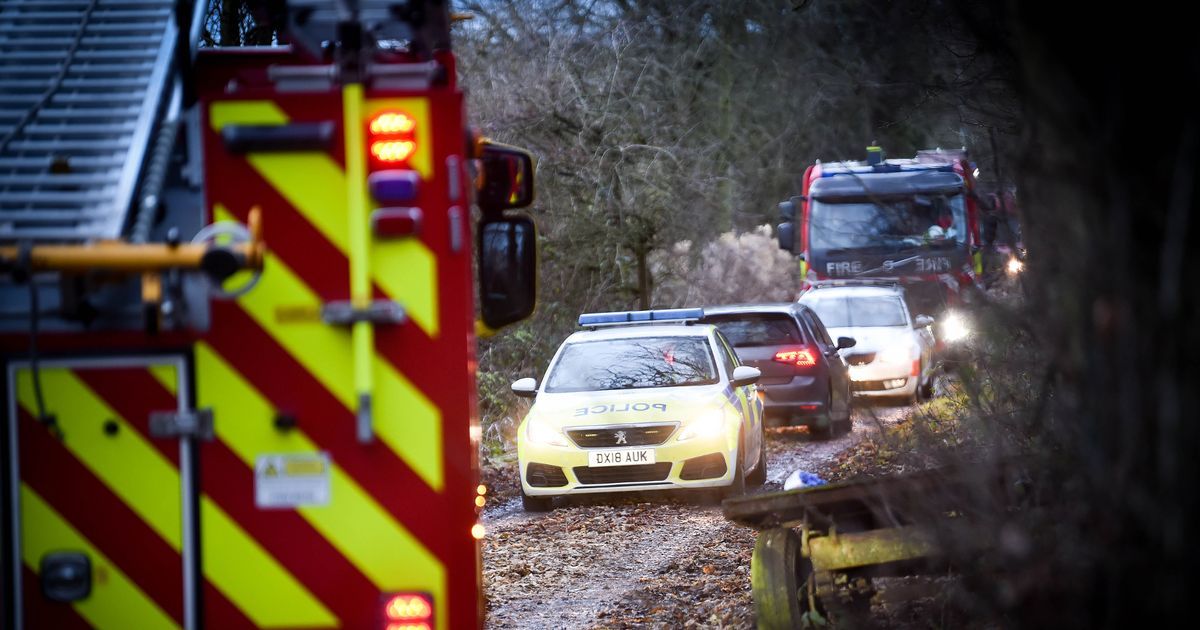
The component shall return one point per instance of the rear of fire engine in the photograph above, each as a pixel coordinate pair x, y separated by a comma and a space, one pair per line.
237, 333
912, 220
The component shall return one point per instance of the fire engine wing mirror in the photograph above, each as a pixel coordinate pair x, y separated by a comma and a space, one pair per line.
507, 270
786, 233
846, 342
507, 178
745, 375
525, 388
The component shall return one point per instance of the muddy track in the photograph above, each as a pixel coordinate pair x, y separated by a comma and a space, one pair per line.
639, 560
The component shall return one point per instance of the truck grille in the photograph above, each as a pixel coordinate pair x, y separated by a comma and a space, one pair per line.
623, 474
635, 435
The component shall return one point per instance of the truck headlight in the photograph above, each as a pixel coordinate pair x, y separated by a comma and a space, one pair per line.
707, 425
539, 433
954, 328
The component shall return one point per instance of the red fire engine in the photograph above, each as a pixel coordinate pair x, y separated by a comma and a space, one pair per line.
238, 322
915, 220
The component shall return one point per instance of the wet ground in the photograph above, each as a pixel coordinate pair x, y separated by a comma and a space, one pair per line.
649, 560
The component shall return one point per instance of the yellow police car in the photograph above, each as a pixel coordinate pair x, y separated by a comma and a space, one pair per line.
641, 400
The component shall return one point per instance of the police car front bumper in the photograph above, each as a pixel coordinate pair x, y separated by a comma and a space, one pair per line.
548, 470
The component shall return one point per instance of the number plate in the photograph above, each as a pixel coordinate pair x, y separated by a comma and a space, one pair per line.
621, 458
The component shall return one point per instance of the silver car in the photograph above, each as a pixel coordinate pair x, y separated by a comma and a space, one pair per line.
893, 355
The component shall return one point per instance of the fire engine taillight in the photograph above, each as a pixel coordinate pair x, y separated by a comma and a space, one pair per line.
408, 611
392, 151
801, 357
392, 122
392, 138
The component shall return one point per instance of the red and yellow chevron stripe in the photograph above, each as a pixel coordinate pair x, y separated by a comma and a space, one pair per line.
401, 508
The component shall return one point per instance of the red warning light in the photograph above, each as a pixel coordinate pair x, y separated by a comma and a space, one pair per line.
391, 138
391, 151
392, 122
408, 611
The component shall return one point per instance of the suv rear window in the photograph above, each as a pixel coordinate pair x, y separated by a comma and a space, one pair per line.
757, 329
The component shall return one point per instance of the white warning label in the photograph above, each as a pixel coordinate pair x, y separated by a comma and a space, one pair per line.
291, 480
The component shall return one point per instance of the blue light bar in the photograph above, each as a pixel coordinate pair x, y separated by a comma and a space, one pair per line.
641, 317
886, 167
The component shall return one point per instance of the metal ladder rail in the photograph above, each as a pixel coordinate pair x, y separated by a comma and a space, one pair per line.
101, 117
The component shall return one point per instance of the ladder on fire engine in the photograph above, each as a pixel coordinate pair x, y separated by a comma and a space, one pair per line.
85, 86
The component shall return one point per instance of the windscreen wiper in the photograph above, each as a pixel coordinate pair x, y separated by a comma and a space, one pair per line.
890, 265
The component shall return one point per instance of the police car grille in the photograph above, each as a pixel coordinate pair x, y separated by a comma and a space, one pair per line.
545, 476
634, 436
704, 467
623, 474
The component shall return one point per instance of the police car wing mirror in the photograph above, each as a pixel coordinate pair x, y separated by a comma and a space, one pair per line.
745, 375
507, 267
525, 387
922, 321
506, 177
846, 342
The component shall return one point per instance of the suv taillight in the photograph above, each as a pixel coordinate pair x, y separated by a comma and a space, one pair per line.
799, 357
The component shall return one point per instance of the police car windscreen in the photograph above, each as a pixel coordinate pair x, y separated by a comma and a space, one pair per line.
844, 312
633, 363
757, 329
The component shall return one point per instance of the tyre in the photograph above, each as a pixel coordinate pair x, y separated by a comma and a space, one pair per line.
759, 475
925, 391
822, 426
843, 426
781, 579
536, 504
819, 431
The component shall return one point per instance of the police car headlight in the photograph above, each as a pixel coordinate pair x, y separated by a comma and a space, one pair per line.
897, 355
954, 328
537, 432
709, 424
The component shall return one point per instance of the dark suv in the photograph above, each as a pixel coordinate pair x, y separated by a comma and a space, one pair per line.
804, 379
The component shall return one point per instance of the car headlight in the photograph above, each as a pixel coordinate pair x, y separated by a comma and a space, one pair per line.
539, 433
709, 424
954, 328
897, 355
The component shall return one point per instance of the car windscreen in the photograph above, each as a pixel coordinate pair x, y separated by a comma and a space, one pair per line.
633, 363
757, 329
888, 223
843, 312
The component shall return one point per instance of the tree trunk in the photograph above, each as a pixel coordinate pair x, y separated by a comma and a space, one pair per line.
644, 281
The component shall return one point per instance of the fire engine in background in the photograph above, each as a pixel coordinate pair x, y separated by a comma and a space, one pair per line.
913, 220
237, 333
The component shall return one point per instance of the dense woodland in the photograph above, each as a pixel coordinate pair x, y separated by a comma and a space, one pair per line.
667, 130
662, 125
